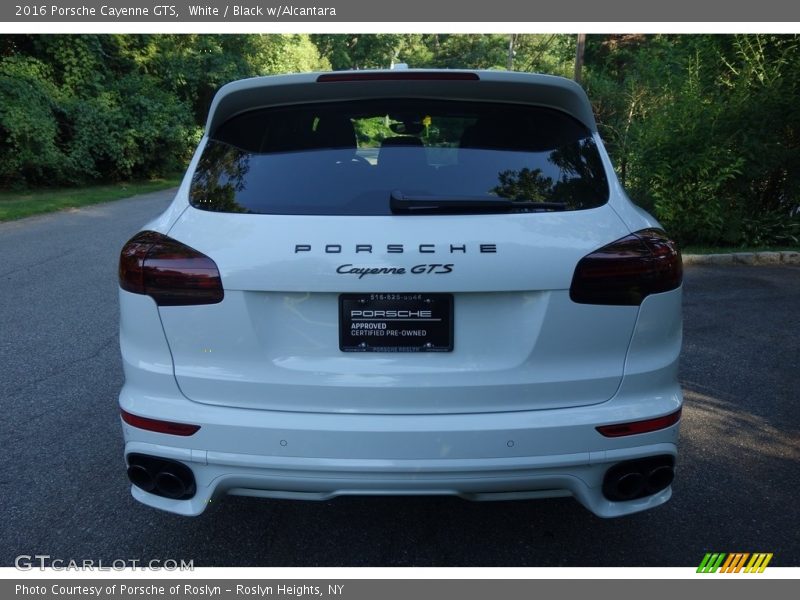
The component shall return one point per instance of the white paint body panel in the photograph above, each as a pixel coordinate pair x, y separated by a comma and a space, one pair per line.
520, 343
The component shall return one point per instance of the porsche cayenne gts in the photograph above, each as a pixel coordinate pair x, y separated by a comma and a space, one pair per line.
401, 282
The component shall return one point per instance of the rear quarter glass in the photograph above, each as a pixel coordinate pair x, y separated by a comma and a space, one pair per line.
347, 158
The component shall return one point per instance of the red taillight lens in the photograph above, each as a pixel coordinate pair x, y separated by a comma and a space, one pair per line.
399, 76
172, 273
159, 426
634, 427
628, 270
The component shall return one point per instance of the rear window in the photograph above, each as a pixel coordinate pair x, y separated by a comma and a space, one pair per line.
347, 158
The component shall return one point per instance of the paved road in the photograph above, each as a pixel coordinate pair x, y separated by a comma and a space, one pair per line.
64, 490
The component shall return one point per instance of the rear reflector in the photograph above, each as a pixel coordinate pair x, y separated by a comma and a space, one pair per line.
626, 271
634, 427
172, 273
159, 426
399, 76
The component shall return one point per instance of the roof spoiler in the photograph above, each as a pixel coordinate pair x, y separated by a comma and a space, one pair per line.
488, 86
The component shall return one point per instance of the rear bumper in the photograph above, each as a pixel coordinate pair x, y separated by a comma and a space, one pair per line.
491, 479
317, 455
514, 455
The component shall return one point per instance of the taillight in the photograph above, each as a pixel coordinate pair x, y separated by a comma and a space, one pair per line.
172, 273
628, 270
646, 426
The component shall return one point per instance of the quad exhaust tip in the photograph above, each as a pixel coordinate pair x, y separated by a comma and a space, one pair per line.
635, 479
141, 477
161, 476
170, 485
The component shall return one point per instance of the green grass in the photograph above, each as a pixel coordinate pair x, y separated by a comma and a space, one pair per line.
17, 205
731, 250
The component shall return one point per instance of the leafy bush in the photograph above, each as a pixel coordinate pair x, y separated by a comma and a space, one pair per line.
771, 229
29, 132
81, 108
705, 130
132, 130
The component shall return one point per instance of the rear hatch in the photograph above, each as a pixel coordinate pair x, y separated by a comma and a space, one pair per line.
397, 253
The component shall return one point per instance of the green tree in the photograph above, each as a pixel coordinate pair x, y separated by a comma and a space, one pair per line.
77, 108
704, 130
361, 51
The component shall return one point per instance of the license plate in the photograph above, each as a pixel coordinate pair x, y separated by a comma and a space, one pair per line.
401, 322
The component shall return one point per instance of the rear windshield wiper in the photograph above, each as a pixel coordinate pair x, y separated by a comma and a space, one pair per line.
400, 204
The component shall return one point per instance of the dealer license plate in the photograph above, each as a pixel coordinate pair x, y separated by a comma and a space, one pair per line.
402, 322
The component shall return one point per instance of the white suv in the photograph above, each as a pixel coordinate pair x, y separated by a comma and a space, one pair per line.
401, 282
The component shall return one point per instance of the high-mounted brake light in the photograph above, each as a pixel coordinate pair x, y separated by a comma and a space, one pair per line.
626, 271
159, 426
646, 426
172, 273
399, 76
